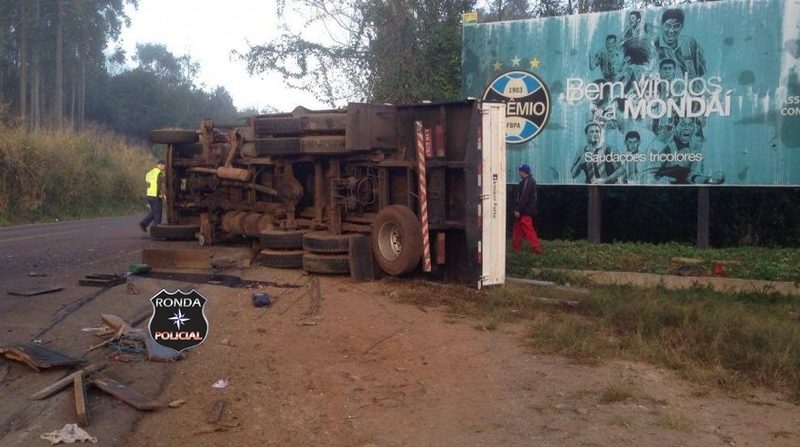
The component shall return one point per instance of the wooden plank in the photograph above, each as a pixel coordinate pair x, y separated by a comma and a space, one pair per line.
80, 400
217, 410
172, 258
64, 382
125, 394
37, 356
33, 291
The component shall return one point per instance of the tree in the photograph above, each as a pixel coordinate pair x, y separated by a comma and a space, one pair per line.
500, 10
385, 51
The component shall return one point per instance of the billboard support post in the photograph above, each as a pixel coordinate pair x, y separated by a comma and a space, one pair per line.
703, 214
595, 214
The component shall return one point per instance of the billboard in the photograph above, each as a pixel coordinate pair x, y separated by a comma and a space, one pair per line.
703, 94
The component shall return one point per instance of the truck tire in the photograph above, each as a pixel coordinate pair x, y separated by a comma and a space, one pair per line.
281, 259
282, 240
326, 264
326, 243
173, 136
397, 240
174, 232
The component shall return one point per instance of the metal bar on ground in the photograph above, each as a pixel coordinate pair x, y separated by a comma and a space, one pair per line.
703, 212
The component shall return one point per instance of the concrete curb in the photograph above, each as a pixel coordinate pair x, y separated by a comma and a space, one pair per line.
650, 280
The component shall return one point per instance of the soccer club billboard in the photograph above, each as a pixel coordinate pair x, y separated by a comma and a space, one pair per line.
702, 94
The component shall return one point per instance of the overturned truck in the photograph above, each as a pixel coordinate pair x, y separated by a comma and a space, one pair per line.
423, 185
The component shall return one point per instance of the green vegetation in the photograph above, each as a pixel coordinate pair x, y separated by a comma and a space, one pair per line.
674, 422
777, 264
726, 340
63, 174
618, 392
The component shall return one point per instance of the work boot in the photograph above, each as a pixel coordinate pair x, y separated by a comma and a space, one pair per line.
143, 227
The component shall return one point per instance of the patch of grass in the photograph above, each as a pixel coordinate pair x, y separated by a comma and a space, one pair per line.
712, 338
675, 422
52, 175
621, 421
618, 392
777, 264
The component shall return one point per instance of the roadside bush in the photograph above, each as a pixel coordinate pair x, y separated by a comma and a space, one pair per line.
63, 174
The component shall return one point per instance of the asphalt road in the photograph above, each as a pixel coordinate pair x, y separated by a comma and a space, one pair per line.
59, 254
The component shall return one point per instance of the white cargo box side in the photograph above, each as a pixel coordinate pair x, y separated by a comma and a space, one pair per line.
493, 194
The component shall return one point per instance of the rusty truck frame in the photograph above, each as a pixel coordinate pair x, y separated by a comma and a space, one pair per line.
425, 182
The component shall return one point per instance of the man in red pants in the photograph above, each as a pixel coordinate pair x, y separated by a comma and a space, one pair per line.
523, 212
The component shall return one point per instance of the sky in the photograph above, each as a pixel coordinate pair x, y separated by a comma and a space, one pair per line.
207, 30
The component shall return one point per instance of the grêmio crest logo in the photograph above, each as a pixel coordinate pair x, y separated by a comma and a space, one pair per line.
179, 321
527, 104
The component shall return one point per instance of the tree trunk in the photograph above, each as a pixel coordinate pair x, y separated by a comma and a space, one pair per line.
73, 97
82, 95
23, 65
36, 73
58, 106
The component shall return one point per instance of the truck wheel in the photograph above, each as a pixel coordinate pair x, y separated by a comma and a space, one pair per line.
397, 240
174, 232
281, 259
282, 240
324, 242
173, 136
326, 264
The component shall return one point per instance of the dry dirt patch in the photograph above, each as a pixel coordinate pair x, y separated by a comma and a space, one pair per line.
354, 367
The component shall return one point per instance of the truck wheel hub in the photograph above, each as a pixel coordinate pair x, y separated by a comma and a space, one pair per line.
390, 242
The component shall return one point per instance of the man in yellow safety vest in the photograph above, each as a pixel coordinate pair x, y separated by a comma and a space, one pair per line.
154, 178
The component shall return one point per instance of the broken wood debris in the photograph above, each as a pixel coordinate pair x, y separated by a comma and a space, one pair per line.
215, 421
66, 381
125, 394
215, 415
81, 412
33, 291
216, 279
102, 280
37, 357
176, 403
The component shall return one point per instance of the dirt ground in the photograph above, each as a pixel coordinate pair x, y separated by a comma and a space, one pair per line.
356, 368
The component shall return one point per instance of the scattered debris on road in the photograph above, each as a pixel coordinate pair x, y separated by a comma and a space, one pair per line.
261, 299
216, 279
219, 384
33, 291
63, 383
125, 394
177, 403
69, 434
37, 357
102, 280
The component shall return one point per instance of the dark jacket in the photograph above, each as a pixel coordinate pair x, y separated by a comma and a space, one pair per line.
526, 197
